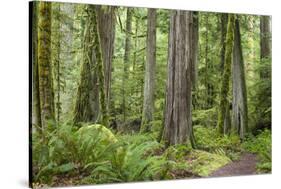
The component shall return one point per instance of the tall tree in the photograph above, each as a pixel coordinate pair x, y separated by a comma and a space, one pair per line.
56, 59
264, 84
265, 42
223, 28
36, 110
178, 123
90, 103
126, 58
239, 101
46, 93
148, 102
106, 14
194, 37
223, 118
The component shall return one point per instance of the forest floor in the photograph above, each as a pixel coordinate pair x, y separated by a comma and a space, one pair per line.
246, 165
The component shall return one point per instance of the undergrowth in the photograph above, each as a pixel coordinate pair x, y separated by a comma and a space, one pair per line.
261, 145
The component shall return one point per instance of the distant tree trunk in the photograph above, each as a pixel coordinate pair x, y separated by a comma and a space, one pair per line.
56, 38
264, 104
44, 65
106, 22
126, 58
265, 42
90, 103
178, 123
223, 29
148, 102
36, 110
206, 56
223, 104
239, 102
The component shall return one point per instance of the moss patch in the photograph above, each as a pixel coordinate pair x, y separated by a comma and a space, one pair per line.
204, 163
96, 130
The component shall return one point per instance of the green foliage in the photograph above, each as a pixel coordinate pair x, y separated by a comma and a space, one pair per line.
204, 163
209, 139
132, 163
206, 117
260, 96
261, 145
94, 150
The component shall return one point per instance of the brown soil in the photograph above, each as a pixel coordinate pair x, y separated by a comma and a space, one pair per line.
246, 165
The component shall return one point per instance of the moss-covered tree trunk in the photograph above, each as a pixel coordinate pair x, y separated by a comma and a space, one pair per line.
149, 81
106, 14
44, 65
126, 59
36, 110
239, 95
90, 103
178, 122
224, 89
56, 62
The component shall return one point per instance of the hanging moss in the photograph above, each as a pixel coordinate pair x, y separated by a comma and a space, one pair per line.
223, 108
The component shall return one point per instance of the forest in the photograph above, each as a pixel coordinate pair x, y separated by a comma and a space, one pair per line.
122, 94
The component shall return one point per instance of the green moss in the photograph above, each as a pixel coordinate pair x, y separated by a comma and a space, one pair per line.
226, 73
204, 163
97, 130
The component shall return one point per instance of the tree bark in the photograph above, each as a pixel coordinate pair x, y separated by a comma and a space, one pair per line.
36, 110
265, 42
87, 107
56, 38
148, 102
126, 58
44, 65
223, 104
194, 37
223, 29
239, 102
178, 123
106, 23
90, 103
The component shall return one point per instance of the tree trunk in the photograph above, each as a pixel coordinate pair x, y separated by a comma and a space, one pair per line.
126, 58
223, 105
44, 65
194, 37
148, 102
265, 43
178, 123
90, 103
107, 36
36, 110
87, 107
56, 38
239, 102
224, 17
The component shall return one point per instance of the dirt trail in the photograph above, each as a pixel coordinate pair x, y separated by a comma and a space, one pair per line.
246, 165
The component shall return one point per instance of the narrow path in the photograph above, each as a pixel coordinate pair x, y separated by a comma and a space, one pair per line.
246, 165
